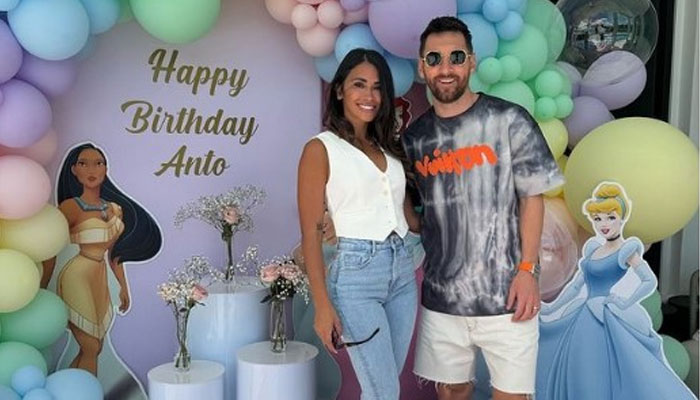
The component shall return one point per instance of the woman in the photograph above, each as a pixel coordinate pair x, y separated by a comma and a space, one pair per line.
603, 346
356, 168
103, 223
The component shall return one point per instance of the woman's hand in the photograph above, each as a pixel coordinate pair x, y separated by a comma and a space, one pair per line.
325, 321
124, 300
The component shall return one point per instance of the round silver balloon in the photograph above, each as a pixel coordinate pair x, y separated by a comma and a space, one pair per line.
597, 27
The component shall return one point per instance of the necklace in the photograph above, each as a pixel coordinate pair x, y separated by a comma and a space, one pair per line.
102, 207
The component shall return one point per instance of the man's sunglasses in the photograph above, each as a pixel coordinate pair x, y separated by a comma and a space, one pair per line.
339, 344
457, 57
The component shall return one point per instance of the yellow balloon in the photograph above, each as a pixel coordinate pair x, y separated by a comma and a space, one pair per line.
655, 163
559, 190
41, 236
556, 135
19, 280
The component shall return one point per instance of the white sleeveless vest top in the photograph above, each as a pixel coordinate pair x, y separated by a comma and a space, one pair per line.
363, 201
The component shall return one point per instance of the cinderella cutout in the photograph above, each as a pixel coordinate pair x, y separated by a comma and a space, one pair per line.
107, 229
596, 341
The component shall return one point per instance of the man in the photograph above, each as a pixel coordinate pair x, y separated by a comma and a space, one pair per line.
481, 165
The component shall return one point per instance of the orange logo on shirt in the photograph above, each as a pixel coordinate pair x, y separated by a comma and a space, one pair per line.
456, 161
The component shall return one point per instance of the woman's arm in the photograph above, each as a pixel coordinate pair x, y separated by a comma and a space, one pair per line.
311, 184
412, 217
118, 269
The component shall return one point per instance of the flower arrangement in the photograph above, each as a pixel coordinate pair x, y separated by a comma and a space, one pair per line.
285, 279
229, 213
184, 289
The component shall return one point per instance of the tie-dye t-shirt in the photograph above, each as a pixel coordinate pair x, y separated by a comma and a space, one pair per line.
471, 170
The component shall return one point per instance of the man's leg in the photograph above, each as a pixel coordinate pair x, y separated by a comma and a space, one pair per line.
460, 391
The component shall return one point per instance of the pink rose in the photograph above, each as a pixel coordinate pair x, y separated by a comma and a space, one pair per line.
290, 272
199, 293
270, 273
231, 215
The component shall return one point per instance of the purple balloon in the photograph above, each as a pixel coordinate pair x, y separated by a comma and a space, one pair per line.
10, 53
25, 115
397, 24
53, 78
616, 78
574, 76
588, 114
352, 5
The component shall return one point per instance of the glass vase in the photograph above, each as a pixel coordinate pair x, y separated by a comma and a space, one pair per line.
229, 268
182, 358
278, 331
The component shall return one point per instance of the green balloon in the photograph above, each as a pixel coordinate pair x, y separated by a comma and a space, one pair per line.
125, 14
548, 84
511, 68
652, 303
15, 355
517, 92
564, 106
530, 48
39, 324
176, 21
546, 17
476, 85
489, 70
677, 356
657, 318
545, 108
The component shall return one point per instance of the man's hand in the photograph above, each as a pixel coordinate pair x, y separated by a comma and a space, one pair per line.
525, 295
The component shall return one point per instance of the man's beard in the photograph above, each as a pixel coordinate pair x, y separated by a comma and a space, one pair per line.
450, 95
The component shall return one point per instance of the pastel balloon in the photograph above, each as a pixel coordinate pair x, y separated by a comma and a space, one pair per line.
656, 164
42, 151
401, 73
484, 36
28, 378
511, 68
565, 105
74, 384
176, 21
588, 113
52, 78
494, 10
25, 187
398, 24
691, 346
125, 13
353, 17
38, 324
25, 114
65, 27
304, 16
40, 236
559, 251
530, 48
281, 10
677, 356
19, 281
510, 27
574, 76
326, 67
515, 91
469, 6
38, 394
548, 84
353, 5
103, 14
476, 85
652, 303
330, 14
8, 394
545, 108
11, 51
15, 355
546, 17
490, 70
7, 5
318, 41
556, 136
353, 37
616, 78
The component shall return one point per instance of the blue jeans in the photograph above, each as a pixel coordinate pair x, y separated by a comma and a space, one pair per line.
372, 285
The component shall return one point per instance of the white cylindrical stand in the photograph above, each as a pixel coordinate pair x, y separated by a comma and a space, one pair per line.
263, 374
204, 380
231, 317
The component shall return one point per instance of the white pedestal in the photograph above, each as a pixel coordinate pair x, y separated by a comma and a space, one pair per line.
227, 321
204, 380
263, 374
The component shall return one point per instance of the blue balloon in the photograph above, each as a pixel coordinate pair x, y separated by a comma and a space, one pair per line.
52, 30
28, 378
326, 67
353, 37
74, 384
103, 14
7, 5
484, 36
469, 6
402, 73
511, 27
38, 394
495, 10
8, 394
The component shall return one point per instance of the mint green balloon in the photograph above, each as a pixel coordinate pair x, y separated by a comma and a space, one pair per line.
530, 48
545, 108
125, 14
652, 303
476, 85
565, 105
548, 84
39, 324
657, 318
517, 92
511, 68
15, 355
489, 70
677, 356
176, 21
546, 17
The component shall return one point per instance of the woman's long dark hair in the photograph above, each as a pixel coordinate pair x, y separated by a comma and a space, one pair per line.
141, 238
383, 129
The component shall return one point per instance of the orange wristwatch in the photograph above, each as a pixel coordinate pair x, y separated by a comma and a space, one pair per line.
533, 268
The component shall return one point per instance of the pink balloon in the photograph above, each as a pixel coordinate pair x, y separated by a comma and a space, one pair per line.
25, 187
397, 24
42, 151
353, 5
25, 114
318, 41
312, 2
353, 17
304, 16
330, 14
559, 250
281, 10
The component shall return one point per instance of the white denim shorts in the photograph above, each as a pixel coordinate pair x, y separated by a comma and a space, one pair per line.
447, 346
